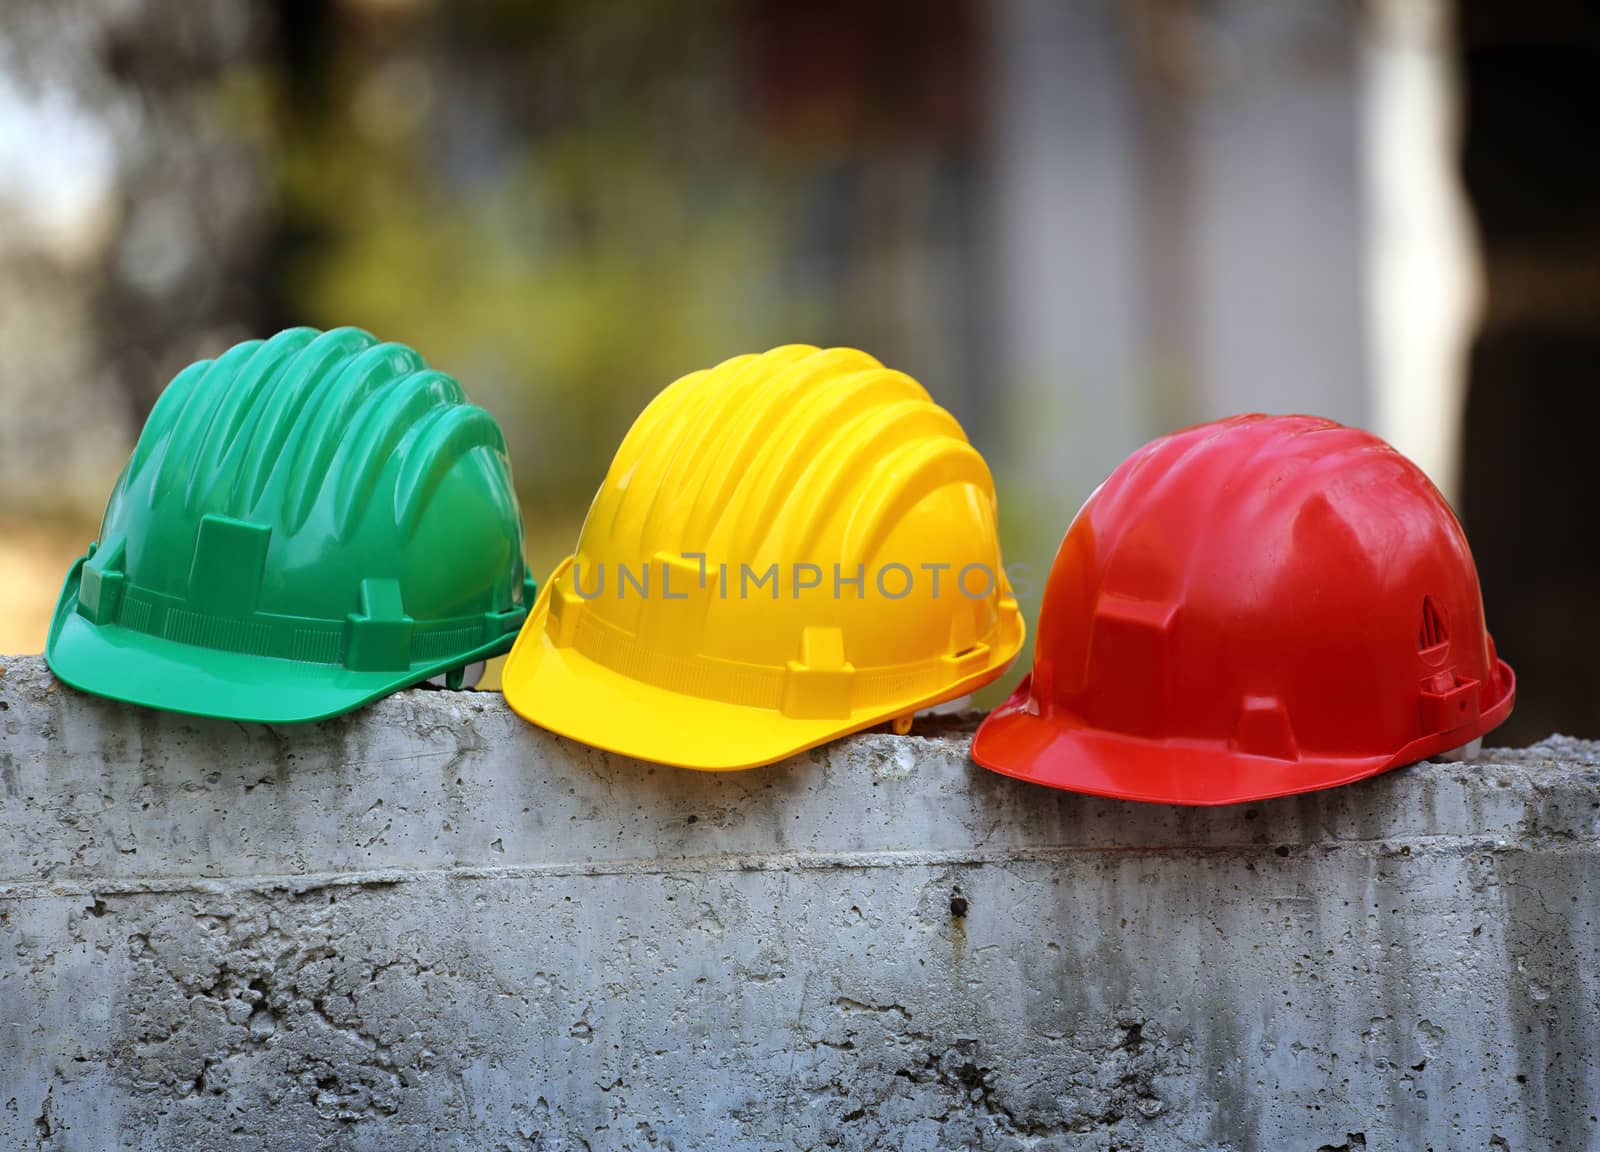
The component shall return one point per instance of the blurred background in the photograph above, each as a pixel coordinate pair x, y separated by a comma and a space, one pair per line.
1080, 223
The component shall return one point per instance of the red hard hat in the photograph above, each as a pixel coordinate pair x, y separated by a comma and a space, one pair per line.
1252, 608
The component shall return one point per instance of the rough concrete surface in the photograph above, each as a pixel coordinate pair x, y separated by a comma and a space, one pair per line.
431, 926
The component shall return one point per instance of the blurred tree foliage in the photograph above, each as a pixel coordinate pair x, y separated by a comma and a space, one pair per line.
457, 178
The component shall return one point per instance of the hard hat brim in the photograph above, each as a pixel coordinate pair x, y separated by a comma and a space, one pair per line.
153, 672
1062, 752
561, 690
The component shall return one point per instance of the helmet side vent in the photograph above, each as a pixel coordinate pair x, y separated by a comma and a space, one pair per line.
1433, 638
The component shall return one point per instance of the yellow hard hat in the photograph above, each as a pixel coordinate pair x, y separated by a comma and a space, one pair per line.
788, 547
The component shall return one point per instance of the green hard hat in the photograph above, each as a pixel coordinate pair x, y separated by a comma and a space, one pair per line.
307, 523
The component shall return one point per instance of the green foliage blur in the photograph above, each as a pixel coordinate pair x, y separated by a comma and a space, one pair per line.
565, 249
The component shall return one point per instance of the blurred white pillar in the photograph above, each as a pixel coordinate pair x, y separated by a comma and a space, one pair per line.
1277, 211
1424, 277
1269, 218
1066, 250
1181, 222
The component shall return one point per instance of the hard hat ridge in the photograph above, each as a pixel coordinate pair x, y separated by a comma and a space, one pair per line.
270, 426
714, 460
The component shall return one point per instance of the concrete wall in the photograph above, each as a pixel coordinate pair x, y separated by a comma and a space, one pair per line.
429, 926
